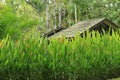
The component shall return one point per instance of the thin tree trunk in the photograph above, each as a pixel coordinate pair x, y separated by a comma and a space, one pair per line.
47, 14
55, 20
59, 13
75, 13
38, 10
99, 8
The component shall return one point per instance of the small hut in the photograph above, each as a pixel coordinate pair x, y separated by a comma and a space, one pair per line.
82, 26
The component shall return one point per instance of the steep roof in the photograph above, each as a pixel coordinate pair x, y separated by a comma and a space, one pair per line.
82, 26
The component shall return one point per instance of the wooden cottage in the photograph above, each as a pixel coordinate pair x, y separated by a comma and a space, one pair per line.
80, 27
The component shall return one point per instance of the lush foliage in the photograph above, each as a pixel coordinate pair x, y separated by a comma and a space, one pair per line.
86, 9
96, 58
19, 15
14, 22
29, 57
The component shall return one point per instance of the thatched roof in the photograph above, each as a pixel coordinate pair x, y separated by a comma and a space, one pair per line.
82, 26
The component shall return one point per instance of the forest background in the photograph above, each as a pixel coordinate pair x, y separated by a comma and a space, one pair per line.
21, 16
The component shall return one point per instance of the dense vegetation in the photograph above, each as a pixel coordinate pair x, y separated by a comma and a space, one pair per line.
26, 56
90, 58
16, 21
21, 15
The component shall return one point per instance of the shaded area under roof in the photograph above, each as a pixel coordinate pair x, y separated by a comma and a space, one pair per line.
82, 26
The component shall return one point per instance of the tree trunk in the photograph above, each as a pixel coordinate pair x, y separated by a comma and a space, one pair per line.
55, 20
99, 9
47, 14
59, 13
75, 13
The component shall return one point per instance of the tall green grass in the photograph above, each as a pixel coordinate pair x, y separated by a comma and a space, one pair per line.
87, 58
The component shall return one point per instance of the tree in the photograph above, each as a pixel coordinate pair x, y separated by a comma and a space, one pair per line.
47, 14
75, 12
39, 5
60, 3
55, 19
